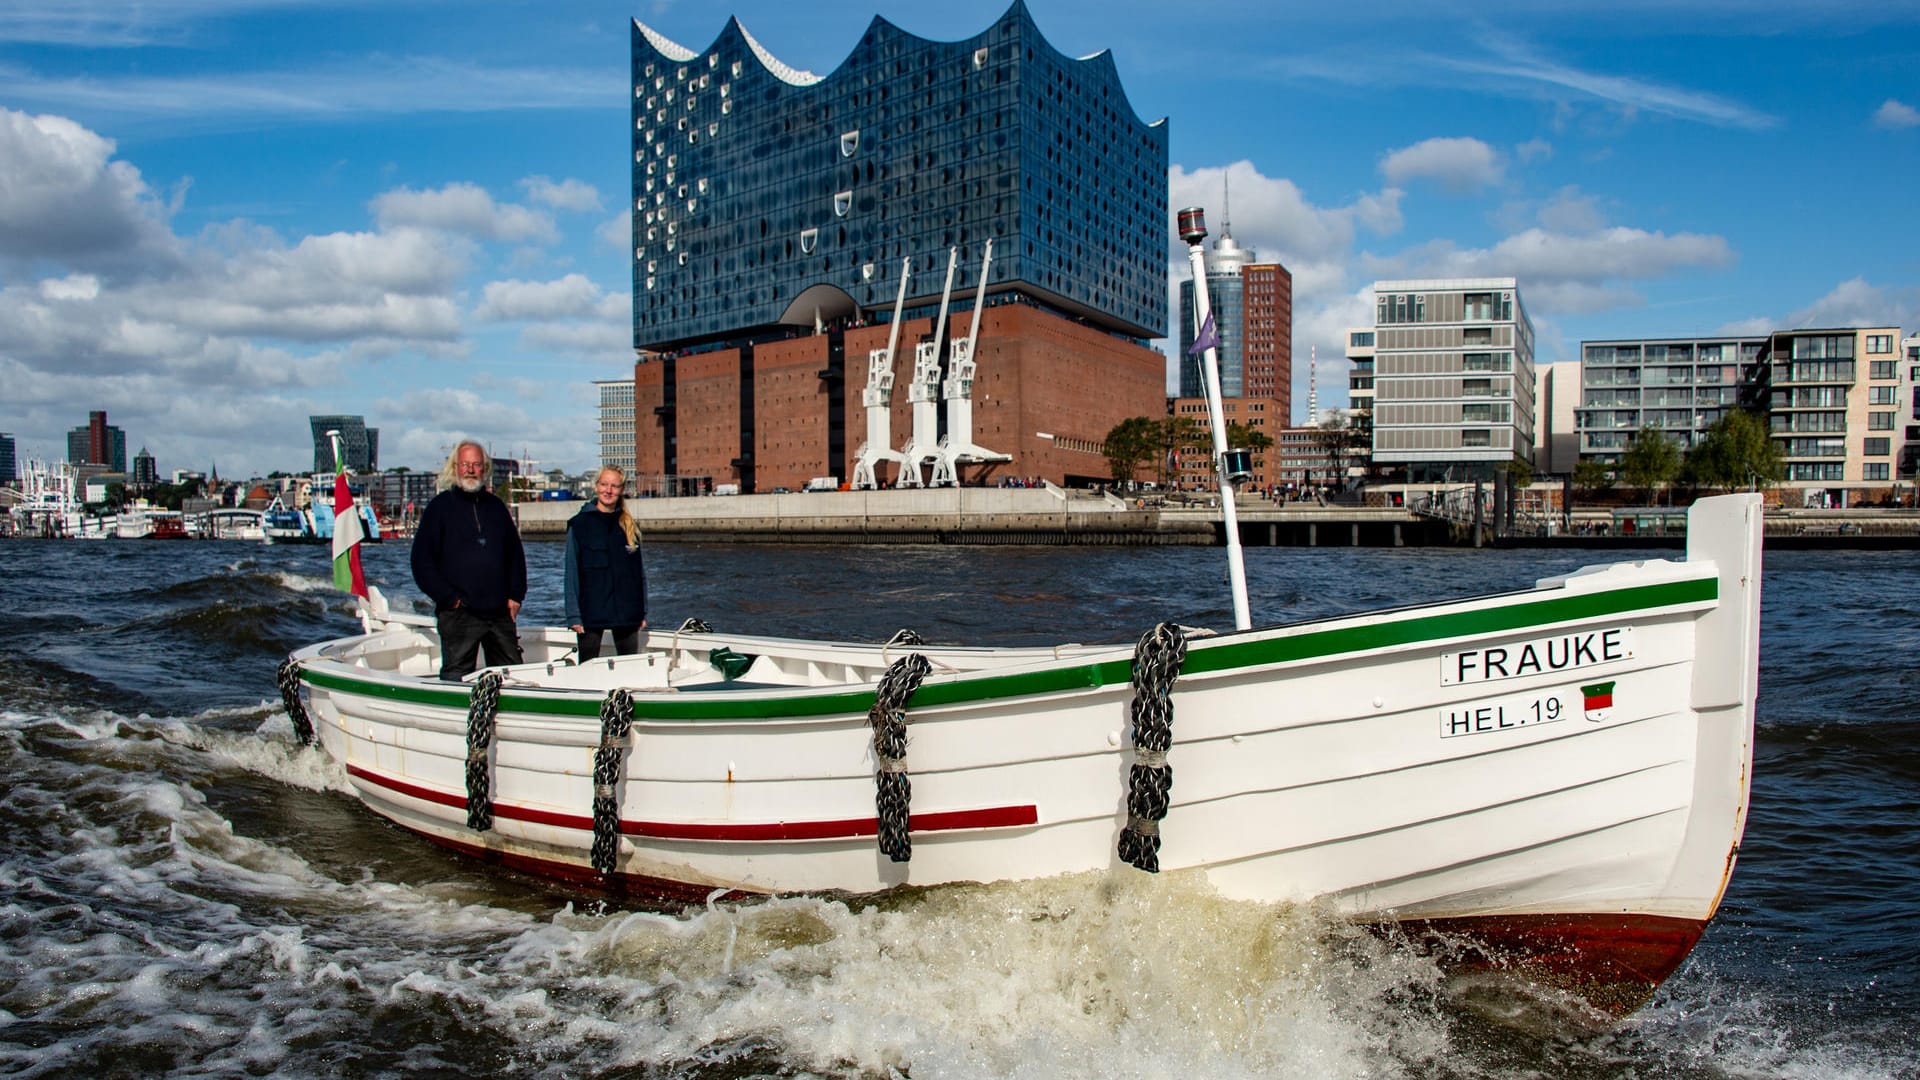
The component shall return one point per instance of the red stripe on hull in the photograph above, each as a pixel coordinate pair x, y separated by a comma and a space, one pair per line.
1613, 961
992, 817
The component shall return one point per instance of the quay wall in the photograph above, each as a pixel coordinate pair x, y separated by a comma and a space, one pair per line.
1057, 517
927, 516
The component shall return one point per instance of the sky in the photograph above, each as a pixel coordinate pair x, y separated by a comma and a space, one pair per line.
218, 217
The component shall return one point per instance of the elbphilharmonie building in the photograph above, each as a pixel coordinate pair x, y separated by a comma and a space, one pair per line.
771, 202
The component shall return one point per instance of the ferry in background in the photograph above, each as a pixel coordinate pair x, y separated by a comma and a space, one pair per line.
280, 524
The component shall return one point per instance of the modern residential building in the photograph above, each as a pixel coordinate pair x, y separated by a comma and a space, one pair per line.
616, 424
1908, 471
1360, 396
360, 443
1834, 409
98, 443
776, 211
1680, 385
9, 463
1453, 377
1556, 402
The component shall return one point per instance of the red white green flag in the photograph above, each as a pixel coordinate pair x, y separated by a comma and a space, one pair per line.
348, 532
1599, 700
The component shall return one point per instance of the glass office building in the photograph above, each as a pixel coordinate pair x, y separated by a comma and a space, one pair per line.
768, 199
360, 443
1226, 302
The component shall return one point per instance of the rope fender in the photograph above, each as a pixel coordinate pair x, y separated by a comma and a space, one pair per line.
616, 722
481, 708
288, 679
893, 793
1156, 664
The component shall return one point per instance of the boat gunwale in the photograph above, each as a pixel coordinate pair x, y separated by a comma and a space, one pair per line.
1350, 635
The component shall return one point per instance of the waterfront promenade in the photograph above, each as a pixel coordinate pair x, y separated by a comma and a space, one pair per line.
1055, 516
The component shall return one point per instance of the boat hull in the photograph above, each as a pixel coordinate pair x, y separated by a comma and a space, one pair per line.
1559, 773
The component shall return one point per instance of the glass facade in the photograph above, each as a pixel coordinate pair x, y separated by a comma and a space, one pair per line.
1226, 299
767, 197
360, 443
1679, 385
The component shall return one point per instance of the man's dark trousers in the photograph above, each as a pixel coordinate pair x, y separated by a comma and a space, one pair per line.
463, 634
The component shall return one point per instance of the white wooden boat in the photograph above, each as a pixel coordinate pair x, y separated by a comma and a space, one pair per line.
1559, 773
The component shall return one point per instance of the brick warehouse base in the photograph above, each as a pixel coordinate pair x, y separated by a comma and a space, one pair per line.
780, 413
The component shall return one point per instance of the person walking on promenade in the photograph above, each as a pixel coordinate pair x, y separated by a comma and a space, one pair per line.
467, 557
606, 580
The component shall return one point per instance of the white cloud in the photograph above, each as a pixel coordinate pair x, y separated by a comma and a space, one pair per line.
616, 232
465, 209
1515, 62
215, 348
1458, 164
63, 197
1541, 258
1896, 114
569, 297
566, 194
1533, 150
1855, 302
600, 340
1271, 215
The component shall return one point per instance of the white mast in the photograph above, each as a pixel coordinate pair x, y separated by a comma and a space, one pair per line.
878, 398
1231, 465
924, 391
958, 447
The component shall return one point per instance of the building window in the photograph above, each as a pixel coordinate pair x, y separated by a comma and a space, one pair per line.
1877, 447
1881, 369
1881, 395
1880, 421
849, 142
1876, 470
1476, 437
1879, 343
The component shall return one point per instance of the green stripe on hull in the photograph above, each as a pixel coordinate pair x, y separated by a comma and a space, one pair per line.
1203, 656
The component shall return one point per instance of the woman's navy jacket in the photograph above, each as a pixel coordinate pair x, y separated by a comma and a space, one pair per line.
606, 583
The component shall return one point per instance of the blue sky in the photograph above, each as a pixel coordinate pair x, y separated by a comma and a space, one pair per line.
220, 216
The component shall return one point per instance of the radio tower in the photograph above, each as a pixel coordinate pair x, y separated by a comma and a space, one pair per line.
1313, 395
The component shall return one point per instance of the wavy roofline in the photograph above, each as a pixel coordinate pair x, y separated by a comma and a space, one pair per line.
799, 77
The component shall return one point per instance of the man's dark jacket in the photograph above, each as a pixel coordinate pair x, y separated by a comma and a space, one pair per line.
606, 581
468, 550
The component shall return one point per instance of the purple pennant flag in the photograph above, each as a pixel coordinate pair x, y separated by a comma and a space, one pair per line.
1208, 338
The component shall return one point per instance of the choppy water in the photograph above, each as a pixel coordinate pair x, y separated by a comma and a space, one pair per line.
183, 890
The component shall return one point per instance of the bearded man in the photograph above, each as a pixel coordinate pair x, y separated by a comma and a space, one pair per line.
467, 557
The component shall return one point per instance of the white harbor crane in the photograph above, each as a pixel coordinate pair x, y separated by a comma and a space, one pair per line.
878, 398
958, 448
924, 444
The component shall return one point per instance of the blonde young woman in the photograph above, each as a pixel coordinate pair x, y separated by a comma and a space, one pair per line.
606, 582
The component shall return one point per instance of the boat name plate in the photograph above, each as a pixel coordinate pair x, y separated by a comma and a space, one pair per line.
1537, 656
